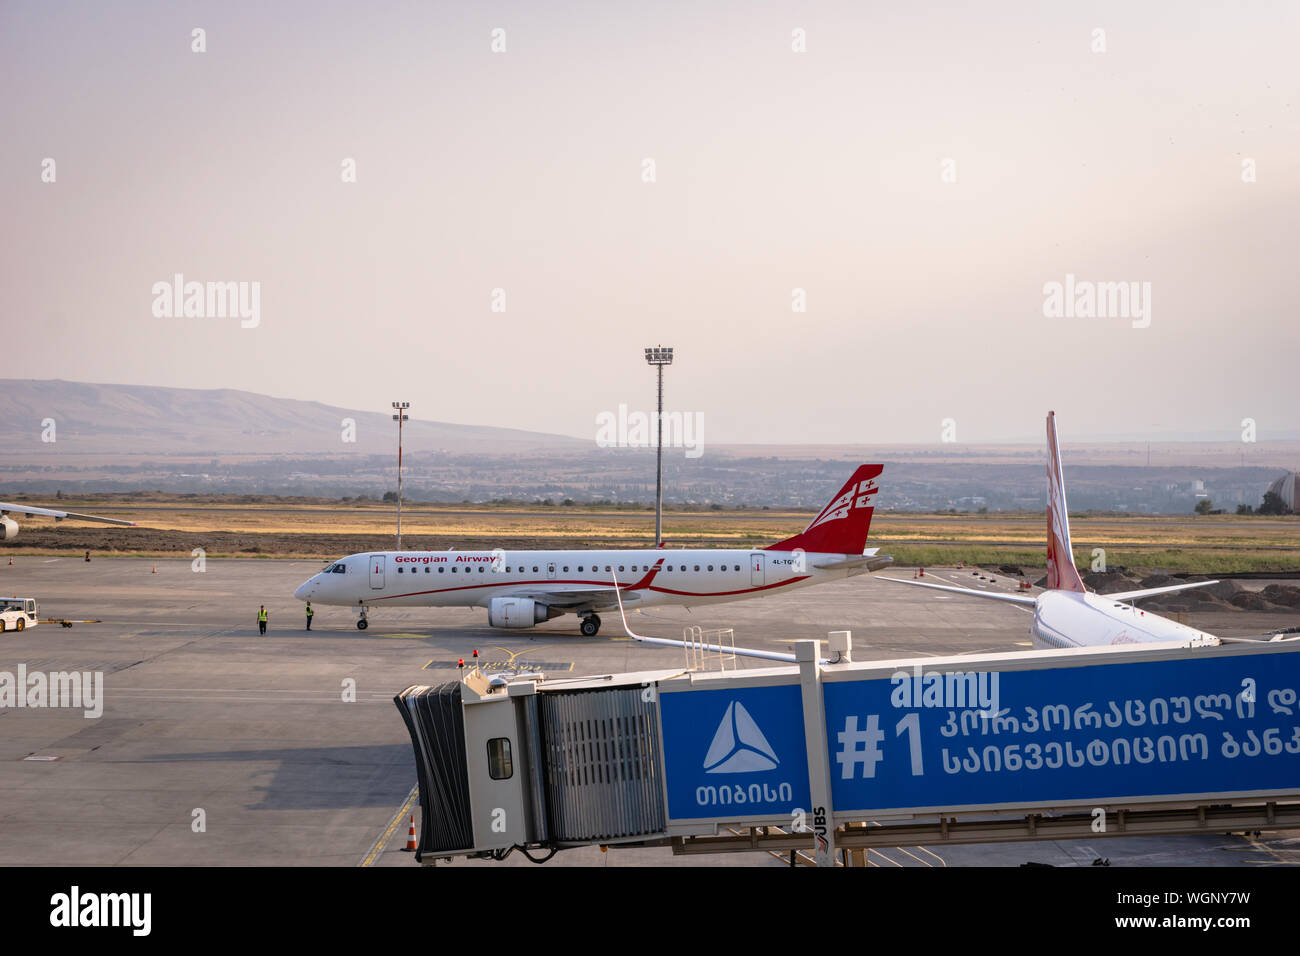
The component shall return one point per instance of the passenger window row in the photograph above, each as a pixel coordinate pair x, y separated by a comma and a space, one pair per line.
340, 569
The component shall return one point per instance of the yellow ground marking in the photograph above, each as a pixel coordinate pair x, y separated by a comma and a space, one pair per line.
526, 650
407, 637
392, 825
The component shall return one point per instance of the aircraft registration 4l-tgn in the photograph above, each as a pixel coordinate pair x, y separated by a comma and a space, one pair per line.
524, 588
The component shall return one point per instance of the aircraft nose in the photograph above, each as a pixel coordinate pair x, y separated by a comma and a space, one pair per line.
304, 589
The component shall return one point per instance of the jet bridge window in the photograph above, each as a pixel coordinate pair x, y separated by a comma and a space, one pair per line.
500, 766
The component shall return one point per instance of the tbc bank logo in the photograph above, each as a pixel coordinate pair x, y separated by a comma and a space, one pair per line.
738, 745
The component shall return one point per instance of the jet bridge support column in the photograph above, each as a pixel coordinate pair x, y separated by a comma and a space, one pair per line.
808, 654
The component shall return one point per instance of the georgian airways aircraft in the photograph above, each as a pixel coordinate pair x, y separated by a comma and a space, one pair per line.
524, 588
1067, 614
9, 527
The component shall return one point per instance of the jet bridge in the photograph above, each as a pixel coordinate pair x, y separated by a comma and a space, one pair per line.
834, 758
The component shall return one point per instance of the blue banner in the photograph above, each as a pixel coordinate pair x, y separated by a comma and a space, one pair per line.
1065, 734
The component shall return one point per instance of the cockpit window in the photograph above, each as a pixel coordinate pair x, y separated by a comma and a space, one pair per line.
340, 569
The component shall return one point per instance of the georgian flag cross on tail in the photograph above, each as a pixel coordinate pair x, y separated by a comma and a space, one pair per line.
842, 526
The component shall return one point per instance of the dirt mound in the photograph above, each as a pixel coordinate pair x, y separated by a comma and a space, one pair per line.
1282, 594
1108, 582
1250, 601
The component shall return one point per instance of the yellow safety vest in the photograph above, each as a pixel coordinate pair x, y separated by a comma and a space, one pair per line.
261, 615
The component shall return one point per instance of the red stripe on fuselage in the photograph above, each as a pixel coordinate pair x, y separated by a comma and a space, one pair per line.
622, 587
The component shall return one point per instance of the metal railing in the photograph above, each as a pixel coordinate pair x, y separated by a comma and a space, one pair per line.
704, 648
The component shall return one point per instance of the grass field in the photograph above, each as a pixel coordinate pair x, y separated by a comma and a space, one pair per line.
1204, 544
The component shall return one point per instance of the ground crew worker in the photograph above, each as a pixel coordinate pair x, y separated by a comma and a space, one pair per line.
310, 612
261, 620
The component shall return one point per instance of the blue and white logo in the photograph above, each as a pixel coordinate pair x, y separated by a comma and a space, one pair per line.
738, 745
734, 753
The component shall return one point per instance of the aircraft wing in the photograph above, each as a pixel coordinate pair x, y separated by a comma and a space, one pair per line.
991, 595
569, 597
60, 515
1262, 639
1149, 592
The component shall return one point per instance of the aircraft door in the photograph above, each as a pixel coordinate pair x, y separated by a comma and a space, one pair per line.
376, 571
756, 570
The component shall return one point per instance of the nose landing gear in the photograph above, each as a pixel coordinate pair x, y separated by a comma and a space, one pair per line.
362, 623
590, 625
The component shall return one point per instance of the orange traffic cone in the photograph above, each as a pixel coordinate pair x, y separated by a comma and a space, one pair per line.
155, 569
922, 572
410, 838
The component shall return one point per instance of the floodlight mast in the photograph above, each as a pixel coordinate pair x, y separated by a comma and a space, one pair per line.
400, 417
659, 357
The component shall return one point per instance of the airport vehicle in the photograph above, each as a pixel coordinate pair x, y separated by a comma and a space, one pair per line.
1067, 614
18, 614
520, 589
9, 527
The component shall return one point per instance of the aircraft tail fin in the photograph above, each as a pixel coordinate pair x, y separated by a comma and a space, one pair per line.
842, 526
1061, 572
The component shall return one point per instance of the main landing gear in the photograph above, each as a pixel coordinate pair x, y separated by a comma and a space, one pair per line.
590, 625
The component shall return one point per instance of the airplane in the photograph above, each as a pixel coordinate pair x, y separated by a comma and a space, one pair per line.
521, 589
1067, 614
9, 527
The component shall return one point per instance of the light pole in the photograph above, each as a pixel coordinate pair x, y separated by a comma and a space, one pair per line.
659, 357
400, 417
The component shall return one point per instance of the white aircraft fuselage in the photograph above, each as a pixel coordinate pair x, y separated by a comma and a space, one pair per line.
1074, 619
579, 582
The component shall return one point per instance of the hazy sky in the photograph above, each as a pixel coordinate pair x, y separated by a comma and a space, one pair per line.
775, 170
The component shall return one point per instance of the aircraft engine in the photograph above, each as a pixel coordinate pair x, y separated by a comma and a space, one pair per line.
8, 529
517, 612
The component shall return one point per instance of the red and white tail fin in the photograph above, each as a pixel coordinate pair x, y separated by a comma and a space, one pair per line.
1061, 572
842, 526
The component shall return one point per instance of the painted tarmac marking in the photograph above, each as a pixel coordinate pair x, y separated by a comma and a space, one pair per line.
402, 811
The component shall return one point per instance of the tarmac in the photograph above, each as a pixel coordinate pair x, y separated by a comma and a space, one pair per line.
217, 746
